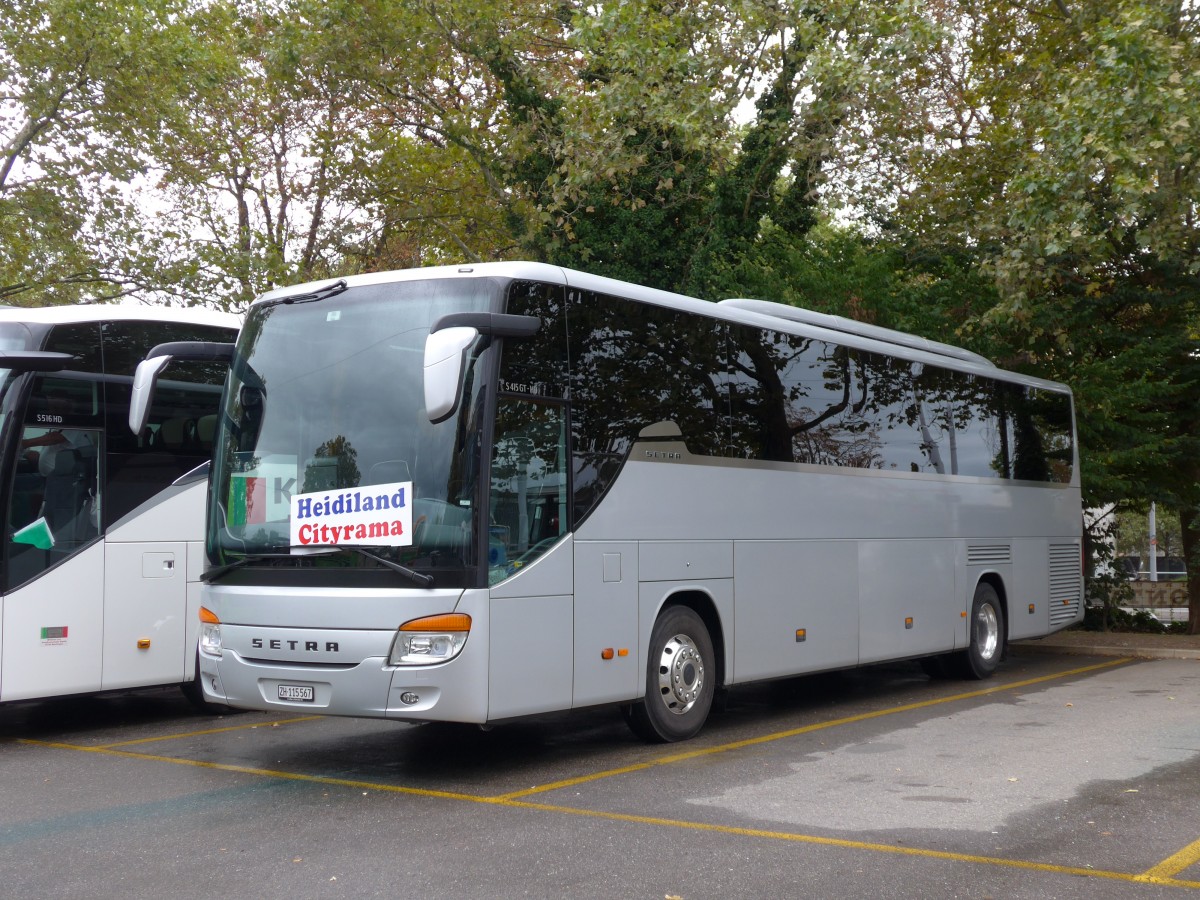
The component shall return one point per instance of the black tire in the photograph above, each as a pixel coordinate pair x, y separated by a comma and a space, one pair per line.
986, 633
681, 679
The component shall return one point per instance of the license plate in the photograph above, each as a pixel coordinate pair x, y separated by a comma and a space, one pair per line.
302, 692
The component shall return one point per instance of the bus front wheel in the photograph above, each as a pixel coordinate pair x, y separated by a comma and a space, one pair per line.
986, 626
680, 679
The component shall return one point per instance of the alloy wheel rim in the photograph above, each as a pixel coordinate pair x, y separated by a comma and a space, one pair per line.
680, 674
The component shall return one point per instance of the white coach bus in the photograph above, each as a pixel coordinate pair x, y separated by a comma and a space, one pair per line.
475, 493
99, 579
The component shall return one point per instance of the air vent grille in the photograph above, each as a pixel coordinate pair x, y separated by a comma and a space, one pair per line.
1065, 582
989, 555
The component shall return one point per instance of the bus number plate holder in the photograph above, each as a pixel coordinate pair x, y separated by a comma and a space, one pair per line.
301, 692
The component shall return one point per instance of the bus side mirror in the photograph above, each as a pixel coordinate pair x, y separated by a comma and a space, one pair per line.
445, 360
446, 353
144, 380
148, 370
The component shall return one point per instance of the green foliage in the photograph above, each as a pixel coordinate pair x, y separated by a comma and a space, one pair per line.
84, 85
1106, 617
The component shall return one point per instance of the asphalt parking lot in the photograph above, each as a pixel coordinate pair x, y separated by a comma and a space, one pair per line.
1064, 776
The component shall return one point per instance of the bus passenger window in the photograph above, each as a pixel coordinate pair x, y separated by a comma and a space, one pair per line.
56, 501
528, 484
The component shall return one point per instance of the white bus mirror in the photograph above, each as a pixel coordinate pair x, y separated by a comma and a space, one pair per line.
445, 361
148, 370
144, 381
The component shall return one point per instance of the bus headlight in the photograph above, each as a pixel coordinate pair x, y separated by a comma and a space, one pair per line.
210, 632
430, 640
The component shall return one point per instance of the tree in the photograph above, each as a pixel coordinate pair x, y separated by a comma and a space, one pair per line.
1059, 140
82, 86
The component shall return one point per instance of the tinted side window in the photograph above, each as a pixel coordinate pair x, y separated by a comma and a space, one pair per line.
536, 366
182, 419
634, 365
797, 399
1042, 441
891, 415
965, 428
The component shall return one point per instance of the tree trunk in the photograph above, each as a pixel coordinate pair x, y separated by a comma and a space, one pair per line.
1189, 525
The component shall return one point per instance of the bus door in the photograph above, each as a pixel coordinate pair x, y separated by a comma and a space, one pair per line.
530, 571
52, 618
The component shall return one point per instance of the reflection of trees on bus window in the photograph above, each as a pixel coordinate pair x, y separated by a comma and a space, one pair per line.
334, 464
528, 502
748, 393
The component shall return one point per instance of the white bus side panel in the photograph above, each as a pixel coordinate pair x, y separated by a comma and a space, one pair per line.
907, 604
530, 656
787, 586
1031, 578
606, 617
151, 575
531, 650
66, 657
145, 586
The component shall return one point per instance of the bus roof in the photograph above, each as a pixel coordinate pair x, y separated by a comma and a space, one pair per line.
755, 313
103, 312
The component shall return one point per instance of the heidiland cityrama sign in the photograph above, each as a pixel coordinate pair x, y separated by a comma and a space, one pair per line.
378, 514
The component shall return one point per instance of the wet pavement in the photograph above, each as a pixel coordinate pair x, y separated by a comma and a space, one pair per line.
1064, 776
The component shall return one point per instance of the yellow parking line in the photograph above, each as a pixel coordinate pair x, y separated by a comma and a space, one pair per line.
804, 729
1173, 865
188, 734
265, 773
862, 845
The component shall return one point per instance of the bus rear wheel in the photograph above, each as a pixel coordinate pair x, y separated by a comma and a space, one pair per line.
680, 679
986, 645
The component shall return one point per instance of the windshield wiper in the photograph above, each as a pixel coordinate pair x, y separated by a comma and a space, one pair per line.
321, 293
416, 578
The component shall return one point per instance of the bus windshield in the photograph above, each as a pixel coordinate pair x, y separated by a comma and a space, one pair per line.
324, 439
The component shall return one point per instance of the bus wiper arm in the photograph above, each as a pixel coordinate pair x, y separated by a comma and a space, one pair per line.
416, 578
321, 293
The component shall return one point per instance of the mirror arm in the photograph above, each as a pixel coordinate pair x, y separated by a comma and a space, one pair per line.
494, 324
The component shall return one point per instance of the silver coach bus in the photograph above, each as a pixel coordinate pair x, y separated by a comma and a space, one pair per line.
475, 493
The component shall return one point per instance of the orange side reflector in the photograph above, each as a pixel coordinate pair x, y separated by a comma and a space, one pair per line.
624, 651
908, 622
143, 643
801, 635
207, 615
1032, 607
963, 613
447, 622
606, 653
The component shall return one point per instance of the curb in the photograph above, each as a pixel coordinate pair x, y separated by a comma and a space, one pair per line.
1142, 652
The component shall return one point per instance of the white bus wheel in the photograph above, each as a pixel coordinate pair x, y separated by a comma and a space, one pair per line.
680, 678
